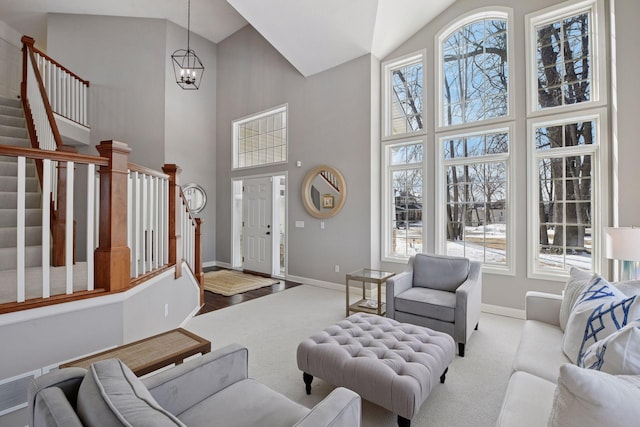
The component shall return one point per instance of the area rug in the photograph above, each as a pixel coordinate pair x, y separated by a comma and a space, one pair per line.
230, 282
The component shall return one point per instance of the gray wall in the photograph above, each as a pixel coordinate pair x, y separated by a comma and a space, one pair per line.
329, 122
134, 97
509, 291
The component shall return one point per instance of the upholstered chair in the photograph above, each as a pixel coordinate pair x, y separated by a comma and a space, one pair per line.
439, 292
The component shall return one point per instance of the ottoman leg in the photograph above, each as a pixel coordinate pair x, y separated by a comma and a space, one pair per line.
307, 381
442, 377
461, 349
403, 422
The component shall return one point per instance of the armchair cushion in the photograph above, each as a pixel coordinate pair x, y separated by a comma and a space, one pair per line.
111, 395
444, 273
434, 303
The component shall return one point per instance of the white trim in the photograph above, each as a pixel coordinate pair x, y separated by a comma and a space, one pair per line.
387, 67
598, 53
440, 213
599, 188
56, 309
498, 12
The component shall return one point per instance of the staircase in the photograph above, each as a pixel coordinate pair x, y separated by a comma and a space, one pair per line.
13, 132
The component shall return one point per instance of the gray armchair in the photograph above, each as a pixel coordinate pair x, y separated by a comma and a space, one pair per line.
210, 390
439, 292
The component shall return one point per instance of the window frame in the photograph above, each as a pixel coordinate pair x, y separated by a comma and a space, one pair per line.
597, 46
600, 188
387, 212
441, 186
387, 67
252, 117
461, 21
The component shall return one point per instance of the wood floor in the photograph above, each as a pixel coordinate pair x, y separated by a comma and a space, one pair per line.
215, 301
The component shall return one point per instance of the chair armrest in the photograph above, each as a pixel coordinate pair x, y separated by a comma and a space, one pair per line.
341, 408
469, 298
179, 388
543, 307
68, 380
395, 286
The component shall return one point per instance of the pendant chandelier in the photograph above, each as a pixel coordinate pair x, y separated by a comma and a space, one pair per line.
187, 67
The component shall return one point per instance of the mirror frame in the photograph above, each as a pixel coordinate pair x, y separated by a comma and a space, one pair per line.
195, 187
338, 203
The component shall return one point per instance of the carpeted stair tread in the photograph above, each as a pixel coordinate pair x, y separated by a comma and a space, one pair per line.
10, 184
9, 167
12, 121
9, 199
13, 131
15, 142
9, 236
10, 102
32, 217
7, 110
9, 256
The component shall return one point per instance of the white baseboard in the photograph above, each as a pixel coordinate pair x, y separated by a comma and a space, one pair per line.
503, 311
314, 282
217, 264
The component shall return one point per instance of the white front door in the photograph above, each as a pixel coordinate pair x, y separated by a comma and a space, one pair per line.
257, 231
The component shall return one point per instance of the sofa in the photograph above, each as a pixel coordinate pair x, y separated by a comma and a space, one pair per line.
213, 389
547, 387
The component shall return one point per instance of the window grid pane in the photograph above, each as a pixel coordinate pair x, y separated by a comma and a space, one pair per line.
564, 61
406, 203
261, 141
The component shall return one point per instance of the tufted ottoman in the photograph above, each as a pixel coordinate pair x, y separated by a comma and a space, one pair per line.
392, 364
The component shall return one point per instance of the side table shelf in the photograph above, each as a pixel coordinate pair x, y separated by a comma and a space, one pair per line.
367, 275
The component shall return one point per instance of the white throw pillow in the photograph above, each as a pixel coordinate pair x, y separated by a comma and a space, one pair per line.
600, 311
617, 354
585, 398
577, 282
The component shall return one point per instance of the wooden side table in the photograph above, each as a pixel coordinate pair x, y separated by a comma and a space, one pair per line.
367, 275
153, 353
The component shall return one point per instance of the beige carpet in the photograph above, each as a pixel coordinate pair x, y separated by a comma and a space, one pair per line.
273, 326
230, 282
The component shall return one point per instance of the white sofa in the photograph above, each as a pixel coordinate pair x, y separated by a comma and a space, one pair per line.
529, 397
536, 379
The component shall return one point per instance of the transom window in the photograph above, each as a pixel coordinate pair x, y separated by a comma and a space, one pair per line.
260, 139
475, 72
403, 96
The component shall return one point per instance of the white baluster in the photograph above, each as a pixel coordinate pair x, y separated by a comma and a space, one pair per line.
91, 194
46, 228
69, 229
20, 226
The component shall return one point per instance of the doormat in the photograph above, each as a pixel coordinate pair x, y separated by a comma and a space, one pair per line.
231, 282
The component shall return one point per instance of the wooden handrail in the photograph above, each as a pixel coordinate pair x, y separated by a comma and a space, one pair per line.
147, 171
56, 63
60, 156
28, 45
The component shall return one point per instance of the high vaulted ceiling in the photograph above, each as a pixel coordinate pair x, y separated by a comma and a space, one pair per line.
314, 35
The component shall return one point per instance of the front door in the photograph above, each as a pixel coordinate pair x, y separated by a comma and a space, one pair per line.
257, 231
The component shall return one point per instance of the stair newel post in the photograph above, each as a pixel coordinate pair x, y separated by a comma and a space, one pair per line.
113, 255
175, 252
198, 258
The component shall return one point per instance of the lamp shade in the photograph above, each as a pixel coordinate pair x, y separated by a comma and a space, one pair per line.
622, 243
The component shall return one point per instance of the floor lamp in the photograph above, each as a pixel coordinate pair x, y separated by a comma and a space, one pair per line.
623, 244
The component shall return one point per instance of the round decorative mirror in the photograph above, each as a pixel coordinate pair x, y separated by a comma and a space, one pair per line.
324, 191
196, 197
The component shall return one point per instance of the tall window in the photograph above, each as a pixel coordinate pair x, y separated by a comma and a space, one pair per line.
260, 139
567, 146
405, 198
477, 205
403, 156
474, 214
